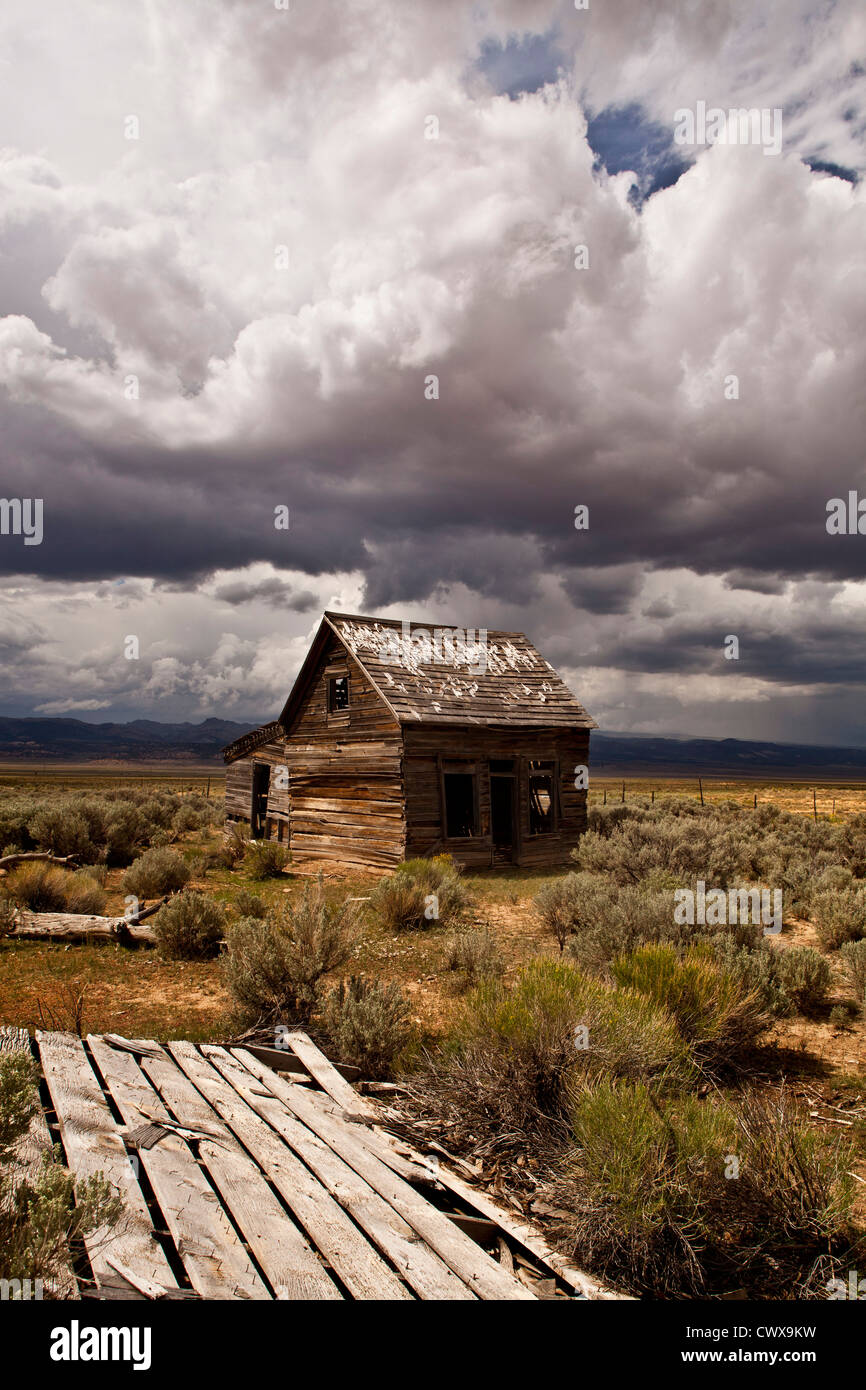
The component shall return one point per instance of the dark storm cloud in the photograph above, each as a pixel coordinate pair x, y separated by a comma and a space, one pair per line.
806, 653
169, 383
271, 591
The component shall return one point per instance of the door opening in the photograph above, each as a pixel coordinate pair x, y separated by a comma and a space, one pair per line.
502, 791
259, 809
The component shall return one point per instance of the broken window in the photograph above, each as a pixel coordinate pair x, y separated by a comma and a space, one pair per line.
542, 797
460, 817
338, 694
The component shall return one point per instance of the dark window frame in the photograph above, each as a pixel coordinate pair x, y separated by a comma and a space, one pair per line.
549, 768
457, 768
335, 711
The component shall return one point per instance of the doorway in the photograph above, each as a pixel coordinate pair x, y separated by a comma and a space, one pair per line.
259, 809
502, 805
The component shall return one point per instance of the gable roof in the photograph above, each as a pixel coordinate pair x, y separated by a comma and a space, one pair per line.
429, 674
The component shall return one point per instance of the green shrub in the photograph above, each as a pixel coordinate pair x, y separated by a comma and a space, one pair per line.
84, 894
840, 916
853, 955
684, 847
189, 927
612, 919
265, 859
716, 1013
126, 831
834, 879
368, 1025
690, 1197
475, 956
43, 887
7, 916
274, 967
518, 1053
422, 893
37, 886
62, 831
805, 977
19, 1098
38, 1221
755, 966
558, 904
247, 904
156, 872
842, 1014
184, 819
234, 844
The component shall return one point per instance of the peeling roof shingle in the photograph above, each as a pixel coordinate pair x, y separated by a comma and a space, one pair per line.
444, 675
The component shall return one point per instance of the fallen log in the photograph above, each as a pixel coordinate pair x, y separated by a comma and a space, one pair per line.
72, 926
10, 861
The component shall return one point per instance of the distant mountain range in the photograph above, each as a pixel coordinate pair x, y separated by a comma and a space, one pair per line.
639, 755
612, 754
141, 740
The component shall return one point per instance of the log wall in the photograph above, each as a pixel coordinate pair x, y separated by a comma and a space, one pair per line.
426, 748
239, 789
346, 785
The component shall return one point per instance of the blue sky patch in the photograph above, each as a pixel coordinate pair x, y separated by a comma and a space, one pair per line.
525, 63
621, 137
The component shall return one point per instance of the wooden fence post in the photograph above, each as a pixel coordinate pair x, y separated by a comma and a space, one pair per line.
701, 790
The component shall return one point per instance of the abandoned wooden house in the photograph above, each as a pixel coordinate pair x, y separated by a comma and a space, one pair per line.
400, 740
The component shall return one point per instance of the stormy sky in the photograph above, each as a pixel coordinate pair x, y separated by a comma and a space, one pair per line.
236, 243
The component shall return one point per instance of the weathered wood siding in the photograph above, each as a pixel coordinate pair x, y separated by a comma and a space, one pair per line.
239, 789
345, 771
424, 747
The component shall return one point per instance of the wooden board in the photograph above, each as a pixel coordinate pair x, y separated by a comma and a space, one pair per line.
359, 1267
421, 1268
214, 1258
327, 1075
283, 1253
494, 1212
477, 1271
93, 1145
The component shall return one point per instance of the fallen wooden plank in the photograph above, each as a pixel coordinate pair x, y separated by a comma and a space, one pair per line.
355, 1262
326, 1074
146, 1287
519, 1231
479, 1273
290, 1266
422, 1269
422, 1172
280, 1060
214, 1258
93, 1145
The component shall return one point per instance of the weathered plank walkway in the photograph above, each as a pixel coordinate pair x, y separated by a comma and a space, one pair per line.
241, 1184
